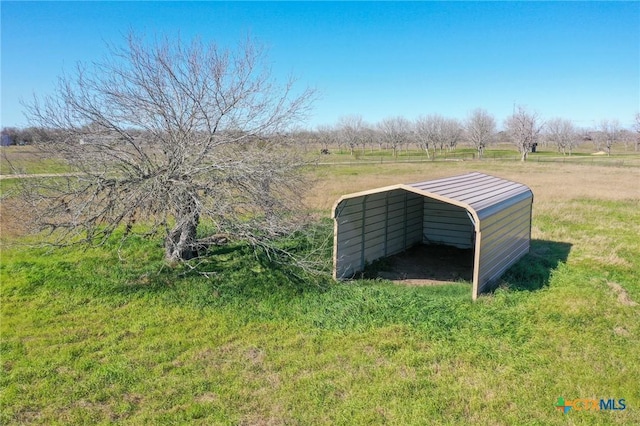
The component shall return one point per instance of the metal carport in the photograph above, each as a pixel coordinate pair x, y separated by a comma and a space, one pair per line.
488, 214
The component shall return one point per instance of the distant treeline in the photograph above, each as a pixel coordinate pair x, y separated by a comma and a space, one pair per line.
430, 133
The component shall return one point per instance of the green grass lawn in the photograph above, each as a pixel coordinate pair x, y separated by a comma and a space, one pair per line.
501, 152
109, 334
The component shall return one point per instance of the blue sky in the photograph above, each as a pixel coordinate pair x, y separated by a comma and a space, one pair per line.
575, 60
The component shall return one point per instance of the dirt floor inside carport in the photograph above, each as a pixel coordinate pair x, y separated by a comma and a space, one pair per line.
432, 264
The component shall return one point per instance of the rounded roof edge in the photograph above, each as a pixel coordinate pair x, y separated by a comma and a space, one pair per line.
361, 194
473, 191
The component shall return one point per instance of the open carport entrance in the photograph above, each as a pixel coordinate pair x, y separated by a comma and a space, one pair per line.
427, 241
425, 265
440, 224
445, 254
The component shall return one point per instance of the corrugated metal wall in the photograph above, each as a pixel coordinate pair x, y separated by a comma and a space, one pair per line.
505, 238
375, 225
489, 214
447, 224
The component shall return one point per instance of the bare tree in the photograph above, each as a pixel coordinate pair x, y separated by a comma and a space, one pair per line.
304, 139
585, 135
428, 132
10, 135
375, 136
328, 136
480, 128
395, 132
437, 132
177, 134
523, 129
350, 128
367, 136
626, 136
609, 133
422, 134
636, 127
452, 132
563, 134
20, 136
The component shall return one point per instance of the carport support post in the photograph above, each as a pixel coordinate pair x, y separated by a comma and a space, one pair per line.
476, 262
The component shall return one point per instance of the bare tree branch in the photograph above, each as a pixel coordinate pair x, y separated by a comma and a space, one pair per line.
175, 134
609, 133
480, 129
563, 134
524, 129
636, 127
395, 131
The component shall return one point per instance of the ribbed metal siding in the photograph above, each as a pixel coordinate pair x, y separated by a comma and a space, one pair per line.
447, 224
375, 225
505, 238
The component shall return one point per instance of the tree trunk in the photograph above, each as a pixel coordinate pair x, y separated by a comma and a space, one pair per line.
426, 149
524, 155
180, 243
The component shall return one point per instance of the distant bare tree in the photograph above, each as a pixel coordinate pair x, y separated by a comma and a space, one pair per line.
175, 134
328, 136
562, 133
395, 132
523, 129
302, 138
636, 127
452, 132
351, 129
373, 132
21, 136
585, 135
428, 132
368, 137
626, 136
422, 134
609, 133
480, 128
12, 134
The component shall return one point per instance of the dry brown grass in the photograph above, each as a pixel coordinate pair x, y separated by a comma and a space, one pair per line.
550, 182
21, 159
623, 296
13, 223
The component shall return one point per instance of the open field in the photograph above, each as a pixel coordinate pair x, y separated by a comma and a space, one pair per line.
27, 160
583, 154
108, 335
550, 182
